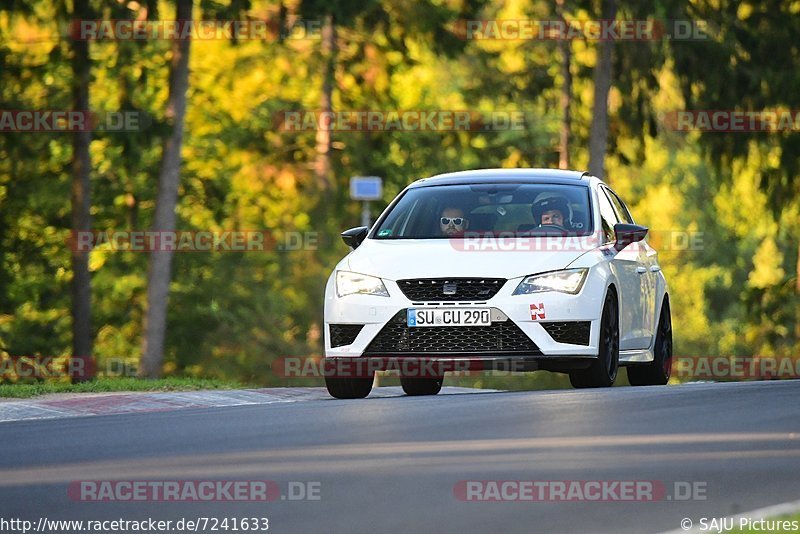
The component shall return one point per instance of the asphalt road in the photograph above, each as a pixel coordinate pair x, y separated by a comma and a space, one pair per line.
391, 464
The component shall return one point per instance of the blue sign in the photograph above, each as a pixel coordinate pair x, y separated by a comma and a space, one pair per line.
366, 188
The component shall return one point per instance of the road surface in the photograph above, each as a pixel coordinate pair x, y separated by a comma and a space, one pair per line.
401, 464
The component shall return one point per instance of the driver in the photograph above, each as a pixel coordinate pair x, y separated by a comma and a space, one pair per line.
551, 210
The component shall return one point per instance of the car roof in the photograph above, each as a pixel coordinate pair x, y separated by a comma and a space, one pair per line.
533, 176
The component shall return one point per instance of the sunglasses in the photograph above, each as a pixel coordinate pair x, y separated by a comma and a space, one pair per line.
458, 221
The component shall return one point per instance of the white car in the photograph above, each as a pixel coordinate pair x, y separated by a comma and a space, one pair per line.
517, 269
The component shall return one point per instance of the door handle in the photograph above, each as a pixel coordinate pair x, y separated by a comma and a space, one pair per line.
641, 270
655, 268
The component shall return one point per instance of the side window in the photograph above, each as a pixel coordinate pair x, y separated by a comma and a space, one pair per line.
619, 207
607, 217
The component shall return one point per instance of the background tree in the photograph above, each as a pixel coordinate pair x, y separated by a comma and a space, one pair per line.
83, 366
231, 314
748, 64
603, 78
565, 51
159, 274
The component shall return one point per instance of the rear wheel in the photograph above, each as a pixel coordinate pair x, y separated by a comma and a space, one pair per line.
657, 372
414, 386
603, 370
349, 388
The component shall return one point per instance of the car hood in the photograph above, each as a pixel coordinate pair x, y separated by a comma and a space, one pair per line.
442, 258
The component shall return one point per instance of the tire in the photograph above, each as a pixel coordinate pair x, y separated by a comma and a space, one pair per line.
578, 379
603, 371
657, 372
421, 386
349, 388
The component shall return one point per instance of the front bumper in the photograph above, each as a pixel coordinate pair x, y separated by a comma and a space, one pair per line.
525, 328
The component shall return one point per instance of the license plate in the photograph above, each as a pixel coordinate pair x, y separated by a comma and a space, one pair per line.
449, 317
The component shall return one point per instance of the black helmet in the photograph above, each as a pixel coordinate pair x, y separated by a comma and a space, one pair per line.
551, 201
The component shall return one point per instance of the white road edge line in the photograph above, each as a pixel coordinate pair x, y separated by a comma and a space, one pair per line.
42, 410
765, 513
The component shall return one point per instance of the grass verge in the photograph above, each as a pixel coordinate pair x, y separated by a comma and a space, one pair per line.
105, 385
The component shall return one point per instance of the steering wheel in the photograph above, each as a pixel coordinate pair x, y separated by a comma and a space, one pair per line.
552, 228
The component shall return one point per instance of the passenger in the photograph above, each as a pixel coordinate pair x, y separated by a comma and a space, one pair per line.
453, 222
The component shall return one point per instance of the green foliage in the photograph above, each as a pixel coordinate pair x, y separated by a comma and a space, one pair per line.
232, 313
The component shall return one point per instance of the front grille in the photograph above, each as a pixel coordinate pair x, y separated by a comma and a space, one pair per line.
344, 334
474, 289
502, 337
575, 332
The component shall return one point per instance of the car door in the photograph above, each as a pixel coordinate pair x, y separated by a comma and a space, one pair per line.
628, 269
648, 257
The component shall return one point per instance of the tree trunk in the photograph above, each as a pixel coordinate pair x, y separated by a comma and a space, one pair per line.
797, 308
565, 50
159, 273
283, 15
322, 163
81, 367
598, 136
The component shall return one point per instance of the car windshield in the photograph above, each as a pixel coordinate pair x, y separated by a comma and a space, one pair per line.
506, 209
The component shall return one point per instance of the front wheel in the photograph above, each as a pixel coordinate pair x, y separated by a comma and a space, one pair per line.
414, 386
603, 370
657, 372
349, 388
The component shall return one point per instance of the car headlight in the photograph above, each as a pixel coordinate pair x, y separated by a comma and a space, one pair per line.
348, 283
566, 281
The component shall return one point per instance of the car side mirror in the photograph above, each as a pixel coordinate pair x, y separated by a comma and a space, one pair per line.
627, 234
355, 236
